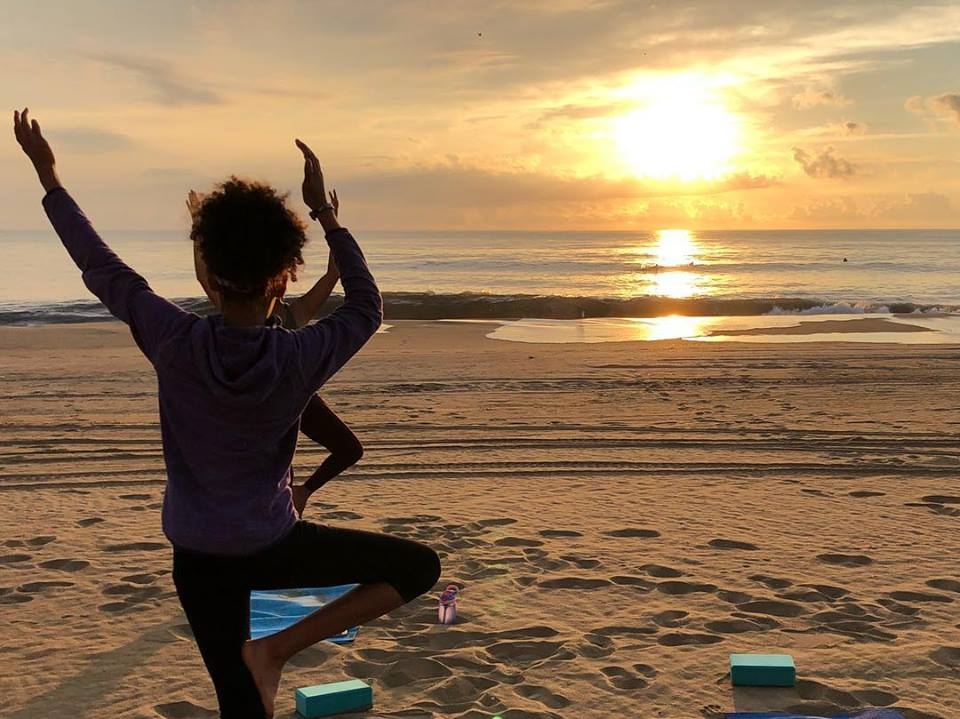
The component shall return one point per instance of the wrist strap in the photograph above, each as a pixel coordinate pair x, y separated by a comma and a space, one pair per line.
315, 214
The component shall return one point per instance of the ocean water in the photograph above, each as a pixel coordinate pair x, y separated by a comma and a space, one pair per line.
558, 275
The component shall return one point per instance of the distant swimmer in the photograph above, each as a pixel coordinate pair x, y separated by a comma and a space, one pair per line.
844, 259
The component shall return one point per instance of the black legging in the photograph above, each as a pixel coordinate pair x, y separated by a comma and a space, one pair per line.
323, 426
215, 591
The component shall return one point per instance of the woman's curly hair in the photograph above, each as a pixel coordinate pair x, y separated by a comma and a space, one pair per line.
248, 238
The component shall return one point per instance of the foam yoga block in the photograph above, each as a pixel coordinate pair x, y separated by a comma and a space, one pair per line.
762, 670
326, 699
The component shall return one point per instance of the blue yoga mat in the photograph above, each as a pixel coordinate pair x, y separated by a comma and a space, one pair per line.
864, 714
271, 611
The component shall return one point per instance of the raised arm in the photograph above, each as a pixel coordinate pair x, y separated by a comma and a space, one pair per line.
199, 264
327, 345
124, 292
306, 307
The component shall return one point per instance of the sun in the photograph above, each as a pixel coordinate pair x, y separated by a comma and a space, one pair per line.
682, 131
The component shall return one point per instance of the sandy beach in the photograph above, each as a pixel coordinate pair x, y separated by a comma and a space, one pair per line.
621, 517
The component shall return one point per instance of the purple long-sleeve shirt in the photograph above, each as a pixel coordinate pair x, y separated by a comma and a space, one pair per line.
230, 398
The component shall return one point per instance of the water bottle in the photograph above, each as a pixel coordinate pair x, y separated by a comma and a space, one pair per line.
447, 610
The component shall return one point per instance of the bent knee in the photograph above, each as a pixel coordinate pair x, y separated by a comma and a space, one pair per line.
354, 451
422, 575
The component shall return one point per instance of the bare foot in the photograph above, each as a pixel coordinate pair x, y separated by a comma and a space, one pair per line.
265, 670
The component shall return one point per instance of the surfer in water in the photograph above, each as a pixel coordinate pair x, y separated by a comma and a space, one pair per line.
232, 387
318, 421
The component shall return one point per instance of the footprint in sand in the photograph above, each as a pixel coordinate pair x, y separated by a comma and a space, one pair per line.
859, 628
40, 541
904, 596
524, 581
413, 669
134, 592
524, 653
875, 697
342, 516
949, 585
860, 493
184, 710
518, 542
661, 572
575, 583
558, 533
946, 657
772, 607
66, 565
40, 587
771, 582
683, 639
815, 691
136, 546
672, 618
140, 578
90, 521
734, 626
679, 588
596, 646
501, 522
543, 695
845, 560
941, 499
15, 558
624, 680
624, 631
136, 496
636, 582
732, 544
582, 562
634, 532
898, 608
731, 597
7, 596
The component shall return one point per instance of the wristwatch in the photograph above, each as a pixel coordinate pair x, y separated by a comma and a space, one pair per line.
315, 214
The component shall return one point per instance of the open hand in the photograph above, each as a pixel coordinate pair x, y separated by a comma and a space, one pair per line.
335, 201
314, 193
32, 140
194, 200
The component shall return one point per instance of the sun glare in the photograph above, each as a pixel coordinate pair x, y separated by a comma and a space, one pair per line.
683, 131
674, 247
675, 251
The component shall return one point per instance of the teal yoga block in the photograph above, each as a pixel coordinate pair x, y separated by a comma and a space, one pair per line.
326, 699
762, 670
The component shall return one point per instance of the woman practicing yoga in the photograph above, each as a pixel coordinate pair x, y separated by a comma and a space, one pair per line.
318, 421
231, 391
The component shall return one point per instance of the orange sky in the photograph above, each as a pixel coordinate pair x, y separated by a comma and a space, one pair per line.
500, 115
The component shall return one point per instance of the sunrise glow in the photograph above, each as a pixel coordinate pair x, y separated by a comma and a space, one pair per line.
682, 131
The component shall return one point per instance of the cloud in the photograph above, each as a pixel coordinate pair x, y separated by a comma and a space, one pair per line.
914, 206
88, 139
918, 209
813, 98
855, 128
460, 185
168, 85
947, 104
944, 105
826, 164
581, 112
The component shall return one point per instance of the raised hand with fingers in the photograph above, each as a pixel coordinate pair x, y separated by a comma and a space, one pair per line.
313, 190
36, 147
194, 200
